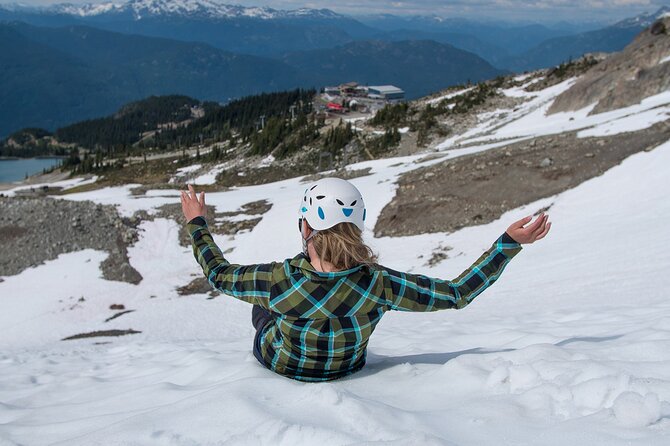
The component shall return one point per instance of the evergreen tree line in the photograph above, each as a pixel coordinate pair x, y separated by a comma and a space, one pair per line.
41, 148
30, 142
129, 123
268, 121
153, 122
241, 118
285, 135
338, 137
383, 143
245, 114
391, 115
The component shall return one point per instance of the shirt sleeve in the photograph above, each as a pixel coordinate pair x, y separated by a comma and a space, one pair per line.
413, 292
250, 283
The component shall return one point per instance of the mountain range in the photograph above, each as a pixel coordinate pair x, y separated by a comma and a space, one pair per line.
250, 30
101, 56
270, 32
92, 72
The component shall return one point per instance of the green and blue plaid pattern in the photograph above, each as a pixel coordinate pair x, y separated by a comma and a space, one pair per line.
322, 321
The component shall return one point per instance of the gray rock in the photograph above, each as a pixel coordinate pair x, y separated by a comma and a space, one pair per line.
546, 162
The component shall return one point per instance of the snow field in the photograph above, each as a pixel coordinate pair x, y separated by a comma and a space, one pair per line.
530, 119
571, 346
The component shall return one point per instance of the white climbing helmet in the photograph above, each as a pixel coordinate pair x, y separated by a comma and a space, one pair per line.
330, 201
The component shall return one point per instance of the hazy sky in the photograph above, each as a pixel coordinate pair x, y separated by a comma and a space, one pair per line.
542, 11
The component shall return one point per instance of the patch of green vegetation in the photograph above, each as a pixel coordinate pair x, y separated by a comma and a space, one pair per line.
564, 71
391, 115
338, 137
126, 126
382, 144
572, 68
466, 102
306, 133
30, 142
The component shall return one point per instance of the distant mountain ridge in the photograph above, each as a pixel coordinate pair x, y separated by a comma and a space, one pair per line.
404, 63
260, 31
186, 8
643, 20
55, 76
610, 39
264, 31
104, 55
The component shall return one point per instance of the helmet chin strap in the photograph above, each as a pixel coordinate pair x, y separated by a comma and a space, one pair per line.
305, 240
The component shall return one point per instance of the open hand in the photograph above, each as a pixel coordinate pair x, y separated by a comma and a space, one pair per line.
191, 205
534, 231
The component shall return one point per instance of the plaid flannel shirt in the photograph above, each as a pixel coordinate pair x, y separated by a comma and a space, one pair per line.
322, 321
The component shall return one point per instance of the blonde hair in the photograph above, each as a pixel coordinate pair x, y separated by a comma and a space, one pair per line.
342, 246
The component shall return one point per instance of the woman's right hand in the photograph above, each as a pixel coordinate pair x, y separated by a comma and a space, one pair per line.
191, 206
533, 232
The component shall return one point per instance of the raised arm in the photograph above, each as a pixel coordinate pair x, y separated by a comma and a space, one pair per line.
250, 283
413, 292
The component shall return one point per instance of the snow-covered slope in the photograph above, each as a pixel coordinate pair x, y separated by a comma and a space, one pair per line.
572, 345
530, 120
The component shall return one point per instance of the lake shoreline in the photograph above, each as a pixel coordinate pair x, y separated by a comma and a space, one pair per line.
15, 170
38, 157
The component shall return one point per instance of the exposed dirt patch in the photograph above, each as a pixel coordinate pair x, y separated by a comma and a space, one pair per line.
197, 286
219, 222
120, 313
438, 255
252, 208
263, 175
227, 223
94, 334
343, 174
477, 189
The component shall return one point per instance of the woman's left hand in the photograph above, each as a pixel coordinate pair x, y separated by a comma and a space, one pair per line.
531, 233
191, 205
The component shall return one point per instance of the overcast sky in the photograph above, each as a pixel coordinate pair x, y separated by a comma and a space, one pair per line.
532, 10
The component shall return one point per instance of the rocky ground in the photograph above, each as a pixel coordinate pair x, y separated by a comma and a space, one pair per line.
33, 230
479, 188
624, 78
36, 229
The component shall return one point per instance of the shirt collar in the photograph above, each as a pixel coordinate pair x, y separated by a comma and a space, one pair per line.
301, 261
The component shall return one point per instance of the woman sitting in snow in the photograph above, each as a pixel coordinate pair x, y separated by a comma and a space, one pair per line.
314, 313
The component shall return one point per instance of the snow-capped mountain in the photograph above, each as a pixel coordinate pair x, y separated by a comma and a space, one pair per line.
260, 31
643, 20
184, 8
